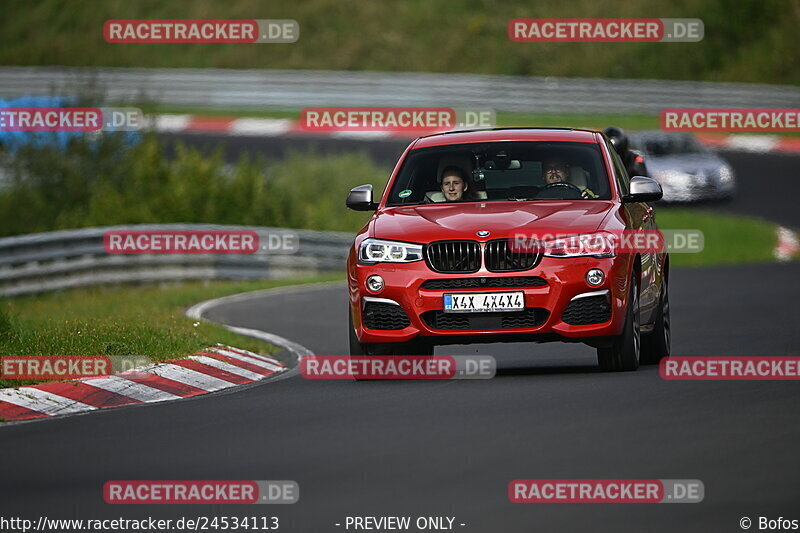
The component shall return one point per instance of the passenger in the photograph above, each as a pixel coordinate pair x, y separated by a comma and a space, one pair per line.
556, 171
455, 185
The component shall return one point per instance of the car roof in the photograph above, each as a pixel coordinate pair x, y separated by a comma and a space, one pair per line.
507, 134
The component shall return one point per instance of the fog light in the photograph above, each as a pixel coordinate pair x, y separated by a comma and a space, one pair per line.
595, 277
375, 283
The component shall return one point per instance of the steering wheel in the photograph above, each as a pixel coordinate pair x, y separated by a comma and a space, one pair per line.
560, 187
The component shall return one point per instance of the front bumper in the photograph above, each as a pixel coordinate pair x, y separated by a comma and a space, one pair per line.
408, 307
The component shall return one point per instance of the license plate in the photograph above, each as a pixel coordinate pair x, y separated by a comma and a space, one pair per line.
483, 302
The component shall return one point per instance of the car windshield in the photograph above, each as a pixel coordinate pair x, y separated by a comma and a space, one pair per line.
501, 171
670, 145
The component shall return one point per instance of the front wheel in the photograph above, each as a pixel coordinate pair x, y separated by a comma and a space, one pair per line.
356, 347
656, 346
623, 355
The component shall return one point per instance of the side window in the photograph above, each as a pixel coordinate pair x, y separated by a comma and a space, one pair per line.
619, 169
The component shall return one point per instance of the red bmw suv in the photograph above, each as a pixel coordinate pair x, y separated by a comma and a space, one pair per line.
445, 258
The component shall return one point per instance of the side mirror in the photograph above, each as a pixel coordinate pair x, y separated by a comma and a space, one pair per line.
360, 199
643, 190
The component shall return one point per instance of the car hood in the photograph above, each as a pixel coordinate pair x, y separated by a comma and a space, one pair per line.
426, 223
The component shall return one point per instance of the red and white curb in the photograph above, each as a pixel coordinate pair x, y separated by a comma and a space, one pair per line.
217, 368
752, 143
277, 127
259, 127
788, 245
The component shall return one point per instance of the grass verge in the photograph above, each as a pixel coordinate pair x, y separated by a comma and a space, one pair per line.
123, 320
728, 239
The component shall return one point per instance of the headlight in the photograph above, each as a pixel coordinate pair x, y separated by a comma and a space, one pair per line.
378, 251
600, 245
725, 175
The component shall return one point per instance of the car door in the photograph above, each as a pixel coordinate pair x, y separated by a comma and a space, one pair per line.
640, 217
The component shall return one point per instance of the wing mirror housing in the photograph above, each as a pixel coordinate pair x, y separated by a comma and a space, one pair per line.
643, 189
360, 199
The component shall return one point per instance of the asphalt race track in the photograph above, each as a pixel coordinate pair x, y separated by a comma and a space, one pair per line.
769, 185
450, 448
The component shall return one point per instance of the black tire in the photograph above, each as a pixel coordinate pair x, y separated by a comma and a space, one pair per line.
356, 347
656, 345
624, 354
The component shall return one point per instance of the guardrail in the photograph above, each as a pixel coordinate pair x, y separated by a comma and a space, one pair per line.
287, 89
75, 258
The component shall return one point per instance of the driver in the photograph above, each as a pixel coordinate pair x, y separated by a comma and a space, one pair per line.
556, 171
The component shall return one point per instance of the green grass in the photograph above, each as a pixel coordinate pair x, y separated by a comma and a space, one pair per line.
579, 120
748, 40
728, 239
123, 320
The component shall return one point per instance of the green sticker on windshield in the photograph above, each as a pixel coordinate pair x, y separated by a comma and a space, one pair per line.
403, 194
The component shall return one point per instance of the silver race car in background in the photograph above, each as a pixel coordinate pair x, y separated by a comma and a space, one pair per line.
686, 170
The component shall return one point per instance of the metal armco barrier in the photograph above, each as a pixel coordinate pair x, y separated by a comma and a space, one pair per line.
287, 89
75, 258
